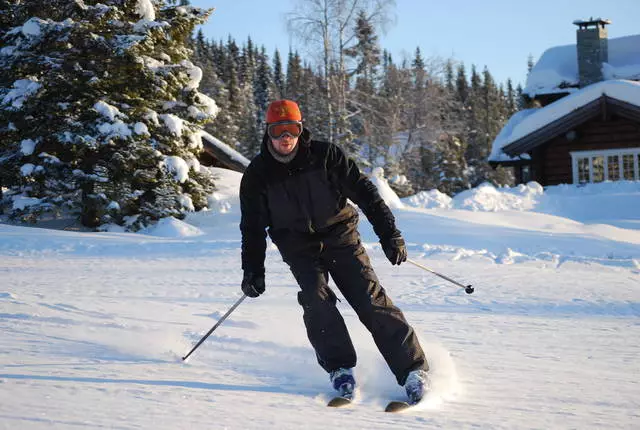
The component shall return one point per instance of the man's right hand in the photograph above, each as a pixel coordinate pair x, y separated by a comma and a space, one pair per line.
252, 284
395, 249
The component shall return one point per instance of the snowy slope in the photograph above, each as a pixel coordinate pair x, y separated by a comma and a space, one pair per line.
93, 325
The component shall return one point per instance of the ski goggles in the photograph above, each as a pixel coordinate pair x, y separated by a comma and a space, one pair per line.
278, 129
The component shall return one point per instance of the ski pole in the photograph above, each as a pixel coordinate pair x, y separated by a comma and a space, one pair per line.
467, 289
224, 317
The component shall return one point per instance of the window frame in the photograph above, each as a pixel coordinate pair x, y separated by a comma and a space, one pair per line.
606, 153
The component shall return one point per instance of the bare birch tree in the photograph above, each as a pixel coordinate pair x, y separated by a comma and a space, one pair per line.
330, 26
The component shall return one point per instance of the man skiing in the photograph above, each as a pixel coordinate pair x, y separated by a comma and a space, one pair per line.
297, 189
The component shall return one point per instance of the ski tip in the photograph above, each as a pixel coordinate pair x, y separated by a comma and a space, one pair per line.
339, 402
396, 406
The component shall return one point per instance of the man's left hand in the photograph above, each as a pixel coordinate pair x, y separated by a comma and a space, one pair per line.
395, 249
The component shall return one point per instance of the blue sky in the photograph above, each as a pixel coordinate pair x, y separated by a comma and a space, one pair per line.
497, 33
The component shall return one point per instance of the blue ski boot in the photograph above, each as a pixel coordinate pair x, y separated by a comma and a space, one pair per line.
417, 385
342, 380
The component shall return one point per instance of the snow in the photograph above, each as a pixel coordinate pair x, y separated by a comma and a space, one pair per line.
174, 123
528, 121
21, 202
145, 9
107, 110
140, 128
33, 27
504, 137
178, 167
558, 66
93, 325
27, 169
27, 146
388, 195
171, 227
117, 129
195, 75
22, 89
208, 104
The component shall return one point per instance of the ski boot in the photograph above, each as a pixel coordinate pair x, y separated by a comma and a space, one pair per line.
342, 381
417, 385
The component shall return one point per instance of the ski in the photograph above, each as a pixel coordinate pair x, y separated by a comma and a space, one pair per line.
398, 406
339, 402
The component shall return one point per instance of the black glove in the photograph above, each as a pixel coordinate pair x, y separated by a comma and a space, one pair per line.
253, 284
395, 249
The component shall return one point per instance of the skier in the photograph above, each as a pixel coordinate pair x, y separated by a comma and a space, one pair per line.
297, 189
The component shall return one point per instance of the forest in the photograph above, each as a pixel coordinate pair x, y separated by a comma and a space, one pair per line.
102, 102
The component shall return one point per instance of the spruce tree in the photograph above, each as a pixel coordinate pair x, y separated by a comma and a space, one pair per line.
366, 53
103, 111
263, 88
293, 87
278, 77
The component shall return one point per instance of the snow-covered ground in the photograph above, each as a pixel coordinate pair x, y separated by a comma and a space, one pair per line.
93, 325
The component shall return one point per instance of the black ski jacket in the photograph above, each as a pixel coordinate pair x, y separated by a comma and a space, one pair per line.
305, 201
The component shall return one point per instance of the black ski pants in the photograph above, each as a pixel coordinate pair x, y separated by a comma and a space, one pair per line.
350, 269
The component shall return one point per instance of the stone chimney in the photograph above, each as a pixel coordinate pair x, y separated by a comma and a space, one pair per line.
593, 49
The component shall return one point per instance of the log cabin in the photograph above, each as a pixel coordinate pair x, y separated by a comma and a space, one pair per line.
585, 126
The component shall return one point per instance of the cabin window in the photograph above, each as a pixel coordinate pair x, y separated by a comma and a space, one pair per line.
597, 173
628, 166
583, 170
609, 165
613, 167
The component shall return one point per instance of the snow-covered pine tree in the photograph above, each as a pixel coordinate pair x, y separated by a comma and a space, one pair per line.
102, 111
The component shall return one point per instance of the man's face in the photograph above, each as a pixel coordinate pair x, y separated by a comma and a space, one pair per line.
285, 144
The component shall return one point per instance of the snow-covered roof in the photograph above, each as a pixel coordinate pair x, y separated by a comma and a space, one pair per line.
226, 149
528, 121
502, 139
557, 69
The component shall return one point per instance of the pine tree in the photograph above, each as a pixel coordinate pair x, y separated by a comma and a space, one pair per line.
462, 85
279, 79
366, 52
263, 90
449, 77
293, 88
104, 111
511, 99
